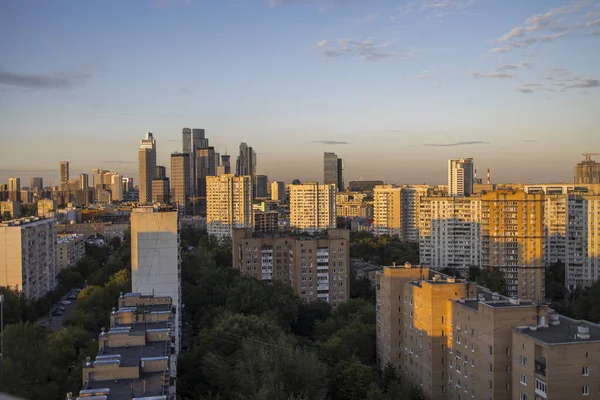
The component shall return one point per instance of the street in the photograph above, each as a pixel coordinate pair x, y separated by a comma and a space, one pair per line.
55, 322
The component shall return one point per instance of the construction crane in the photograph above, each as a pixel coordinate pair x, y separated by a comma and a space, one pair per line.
588, 156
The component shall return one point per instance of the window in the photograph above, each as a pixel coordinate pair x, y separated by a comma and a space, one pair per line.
523, 379
540, 387
584, 390
522, 396
490, 350
523, 361
508, 369
490, 368
508, 387
507, 352
584, 371
490, 385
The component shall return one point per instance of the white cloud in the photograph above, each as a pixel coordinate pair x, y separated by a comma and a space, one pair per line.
366, 49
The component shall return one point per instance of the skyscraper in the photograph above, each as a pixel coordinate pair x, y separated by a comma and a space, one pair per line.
261, 186
246, 162
228, 204
226, 163
199, 141
460, 177
333, 170
146, 167
205, 166
14, 184
97, 177
340, 175
588, 171
180, 180
36, 184
186, 136
64, 174
312, 206
84, 181
161, 172
278, 191
116, 187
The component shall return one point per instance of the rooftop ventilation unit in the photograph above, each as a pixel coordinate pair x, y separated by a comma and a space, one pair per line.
583, 332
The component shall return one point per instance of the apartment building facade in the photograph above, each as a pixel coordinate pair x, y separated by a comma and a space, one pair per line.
312, 206
386, 210
352, 205
28, 256
69, 250
317, 268
450, 232
582, 265
228, 203
410, 203
457, 340
512, 240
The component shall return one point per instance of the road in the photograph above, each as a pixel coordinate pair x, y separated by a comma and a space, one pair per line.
55, 323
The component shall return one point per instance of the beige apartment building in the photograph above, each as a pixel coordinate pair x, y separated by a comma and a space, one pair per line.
312, 206
457, 340
386, 210
45, 206
352, 204
410, 208
450, 232
69, 250
317, 268
228, 203
136, 354
512, 239
582, 262
11, 207
28, 256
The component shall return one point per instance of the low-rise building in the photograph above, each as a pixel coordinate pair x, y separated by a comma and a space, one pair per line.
136, 356
317, 268
266, 221
107, 229
45, 206
70, 248
10, 207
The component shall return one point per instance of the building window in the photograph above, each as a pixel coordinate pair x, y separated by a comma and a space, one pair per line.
522, 396
490, 368
523, 361
523, 379
508, 369
507, 387
490, 385
584, 371
584, 390
490, 350
540, 387
507, 352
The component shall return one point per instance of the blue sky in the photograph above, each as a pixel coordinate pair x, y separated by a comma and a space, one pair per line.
394, 87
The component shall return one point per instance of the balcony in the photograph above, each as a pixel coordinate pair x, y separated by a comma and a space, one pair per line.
540, 367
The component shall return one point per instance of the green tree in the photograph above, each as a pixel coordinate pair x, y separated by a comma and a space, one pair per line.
362, 288
494, 280
352, 380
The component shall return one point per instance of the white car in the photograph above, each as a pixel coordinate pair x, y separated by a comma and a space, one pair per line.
66, 303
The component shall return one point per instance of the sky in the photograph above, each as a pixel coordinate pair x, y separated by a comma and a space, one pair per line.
395, 88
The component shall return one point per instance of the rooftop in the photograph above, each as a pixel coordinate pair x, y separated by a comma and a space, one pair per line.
561, 329
147, 386
493, 299
25, 221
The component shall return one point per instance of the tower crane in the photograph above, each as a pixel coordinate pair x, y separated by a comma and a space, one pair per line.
588, 156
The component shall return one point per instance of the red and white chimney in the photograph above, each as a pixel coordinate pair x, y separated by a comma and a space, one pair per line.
489, 180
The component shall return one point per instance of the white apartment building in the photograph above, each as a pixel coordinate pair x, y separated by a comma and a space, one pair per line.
28, 255
450, 232
70, 248
410, 205
386, 210
312, 206
155, 257
583, 240
460, 177
228, 204
555, 228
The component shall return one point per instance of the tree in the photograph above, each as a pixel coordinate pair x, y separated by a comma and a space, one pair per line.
362, 288
351, 380
308, 315
494, 280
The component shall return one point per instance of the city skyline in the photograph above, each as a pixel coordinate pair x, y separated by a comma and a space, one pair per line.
396, 88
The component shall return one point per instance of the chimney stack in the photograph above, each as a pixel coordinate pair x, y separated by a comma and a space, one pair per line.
489, 180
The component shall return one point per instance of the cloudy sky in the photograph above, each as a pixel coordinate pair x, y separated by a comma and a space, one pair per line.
394, 87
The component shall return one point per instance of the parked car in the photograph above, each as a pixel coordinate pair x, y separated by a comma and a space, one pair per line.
72, 296
62, 309
57, 313
66, 303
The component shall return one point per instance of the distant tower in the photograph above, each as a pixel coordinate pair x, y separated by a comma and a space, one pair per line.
180, 180
588, 171
36, 183
64, 174
333, 170
261, 186
460, 177
340, 175
186, 136
146, 167
205, 166
226, 163
84, 181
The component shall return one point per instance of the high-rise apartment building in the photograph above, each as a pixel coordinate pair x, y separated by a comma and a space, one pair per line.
146, 167
205, 166
266, 221
69, 250
36, 184
180, 180
386, 210
278, 191
84, 181
11, 208
116, 187
261, 186
317, 268
587, 172
450, 232
512, 240
161, 191
64, 174
28, 256
352, 205
454, 339
460, 177
45, 206
14, 184
312, 206
155, 258
582, 258
228, 203
555, 228
410, 208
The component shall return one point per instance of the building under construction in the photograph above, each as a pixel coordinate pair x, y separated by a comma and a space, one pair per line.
587, 171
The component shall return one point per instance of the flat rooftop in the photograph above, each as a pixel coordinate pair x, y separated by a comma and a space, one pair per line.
565, 332
148, 385
131, 355
492, 299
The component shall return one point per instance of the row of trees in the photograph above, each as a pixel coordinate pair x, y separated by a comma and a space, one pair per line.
40, 364
384, 249
249, 339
